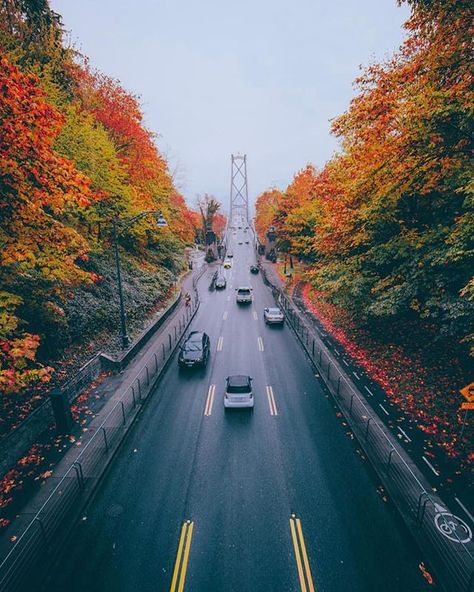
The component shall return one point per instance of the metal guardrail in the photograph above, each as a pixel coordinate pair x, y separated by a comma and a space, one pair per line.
447, 545
33, 549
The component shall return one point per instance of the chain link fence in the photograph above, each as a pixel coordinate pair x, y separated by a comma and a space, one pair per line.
24, 566
445, 540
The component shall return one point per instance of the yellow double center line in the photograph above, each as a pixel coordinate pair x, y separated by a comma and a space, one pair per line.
210, 400
271, 401
220, 343
302, 562
260, 344
181, 563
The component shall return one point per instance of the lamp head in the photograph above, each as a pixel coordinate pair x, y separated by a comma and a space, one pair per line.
160, 220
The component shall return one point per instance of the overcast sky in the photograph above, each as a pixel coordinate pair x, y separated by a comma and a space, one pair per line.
259, 77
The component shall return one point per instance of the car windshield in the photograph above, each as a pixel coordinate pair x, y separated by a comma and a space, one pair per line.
193, 346
274, 311
244, 291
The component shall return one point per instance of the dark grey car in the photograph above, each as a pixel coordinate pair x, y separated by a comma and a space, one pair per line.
195, 350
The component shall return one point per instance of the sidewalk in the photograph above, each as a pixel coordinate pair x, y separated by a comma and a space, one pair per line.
88, 410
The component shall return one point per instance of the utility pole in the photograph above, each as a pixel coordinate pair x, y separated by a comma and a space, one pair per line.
239, 195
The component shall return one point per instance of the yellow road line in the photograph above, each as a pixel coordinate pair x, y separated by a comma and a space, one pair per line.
225, 315
180, 567
260, 344
220, 343
210, 400
305, 555
271, 401
297, 555
302, 561
186, 557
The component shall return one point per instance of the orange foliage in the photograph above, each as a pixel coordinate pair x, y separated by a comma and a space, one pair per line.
266, 209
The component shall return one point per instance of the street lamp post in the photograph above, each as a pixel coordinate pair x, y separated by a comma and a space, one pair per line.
125, 339
161, 222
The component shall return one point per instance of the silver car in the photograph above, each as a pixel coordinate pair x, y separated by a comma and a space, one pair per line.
238, 392
273, 316
244, 295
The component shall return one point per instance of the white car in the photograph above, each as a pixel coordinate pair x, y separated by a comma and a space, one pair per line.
273, 316
238, 392
244, 295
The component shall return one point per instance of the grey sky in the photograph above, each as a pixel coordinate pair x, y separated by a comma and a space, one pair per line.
262, 77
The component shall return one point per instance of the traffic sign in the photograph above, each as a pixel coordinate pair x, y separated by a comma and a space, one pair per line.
468, 392
467, 406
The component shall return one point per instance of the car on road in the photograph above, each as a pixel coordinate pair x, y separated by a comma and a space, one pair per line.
253, 269
195, 350
238, 392
227, 263
229, 255
246, 242
221, 283
273, 316
241, 243
244, 295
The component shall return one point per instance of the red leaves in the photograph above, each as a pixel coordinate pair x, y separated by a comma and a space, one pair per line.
423, 386
425, 573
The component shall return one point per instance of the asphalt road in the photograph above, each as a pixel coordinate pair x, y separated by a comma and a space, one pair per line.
238, 477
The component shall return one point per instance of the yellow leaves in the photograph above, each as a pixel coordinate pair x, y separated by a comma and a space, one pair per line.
8, 320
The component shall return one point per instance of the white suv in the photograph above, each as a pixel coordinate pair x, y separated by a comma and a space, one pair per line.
244, 295
238, 392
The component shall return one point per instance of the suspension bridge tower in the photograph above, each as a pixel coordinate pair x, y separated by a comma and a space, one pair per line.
239, 193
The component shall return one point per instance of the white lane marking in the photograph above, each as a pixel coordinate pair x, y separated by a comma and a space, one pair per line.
228, 298
220, 343
337, 353
356, 375
464, 508
344, 361
255, 315
260, 344
383, 409
404, 433
430, 465
369, 391
225, 315
210, 400
271, 401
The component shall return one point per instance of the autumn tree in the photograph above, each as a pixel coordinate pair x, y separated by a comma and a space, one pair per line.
389, 220
37, 187
266, 207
